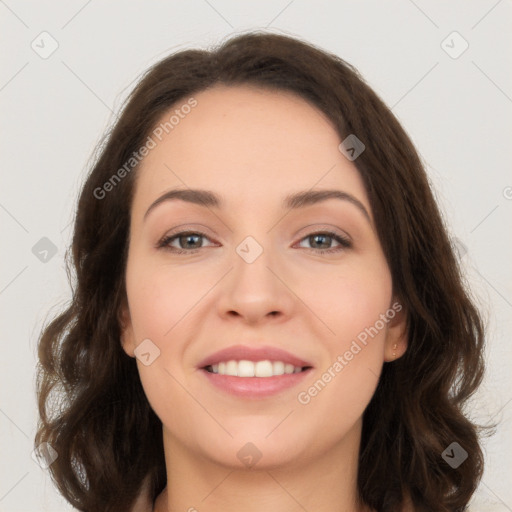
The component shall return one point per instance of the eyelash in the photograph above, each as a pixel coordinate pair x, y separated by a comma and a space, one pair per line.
344, 242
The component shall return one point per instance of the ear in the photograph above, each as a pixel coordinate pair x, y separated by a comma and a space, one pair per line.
126, 328
397, 337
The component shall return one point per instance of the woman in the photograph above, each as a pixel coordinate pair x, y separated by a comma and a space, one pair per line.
268, 313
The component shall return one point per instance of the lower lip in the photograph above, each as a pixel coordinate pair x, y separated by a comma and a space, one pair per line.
255, 387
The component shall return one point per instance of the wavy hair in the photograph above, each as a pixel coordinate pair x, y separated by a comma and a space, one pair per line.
92, 407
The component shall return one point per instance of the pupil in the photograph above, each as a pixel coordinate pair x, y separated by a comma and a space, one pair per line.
188, 238
321, 236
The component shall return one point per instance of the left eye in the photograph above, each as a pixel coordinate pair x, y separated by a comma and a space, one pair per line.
321, 237
185, 237
190, 242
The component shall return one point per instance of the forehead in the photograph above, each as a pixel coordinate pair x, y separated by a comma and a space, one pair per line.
251, 144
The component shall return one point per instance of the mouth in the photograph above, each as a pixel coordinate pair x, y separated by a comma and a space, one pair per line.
254, 369
254, 374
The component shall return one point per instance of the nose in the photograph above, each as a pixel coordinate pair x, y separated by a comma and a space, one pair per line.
256, 289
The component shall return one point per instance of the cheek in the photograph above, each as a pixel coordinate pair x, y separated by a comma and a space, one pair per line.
354, 306
349, 301
159, 298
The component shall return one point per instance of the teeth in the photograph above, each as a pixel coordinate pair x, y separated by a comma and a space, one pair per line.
263, 369
246, 368
288, 368
232, 368
278, 368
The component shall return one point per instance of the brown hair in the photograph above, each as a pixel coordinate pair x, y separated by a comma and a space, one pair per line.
108, 438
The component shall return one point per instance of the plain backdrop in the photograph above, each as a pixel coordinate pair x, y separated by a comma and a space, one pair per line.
445, 69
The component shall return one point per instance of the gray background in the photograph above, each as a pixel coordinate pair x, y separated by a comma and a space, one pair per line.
456, 107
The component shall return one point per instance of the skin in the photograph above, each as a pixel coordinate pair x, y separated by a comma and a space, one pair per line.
253, 147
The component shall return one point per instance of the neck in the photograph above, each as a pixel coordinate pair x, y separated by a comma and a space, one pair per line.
327, 483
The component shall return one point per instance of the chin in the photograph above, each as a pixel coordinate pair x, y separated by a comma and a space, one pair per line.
258, 446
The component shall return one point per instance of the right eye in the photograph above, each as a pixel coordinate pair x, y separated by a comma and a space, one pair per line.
186, 239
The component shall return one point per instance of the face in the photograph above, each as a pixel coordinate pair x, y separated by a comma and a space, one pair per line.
281, 285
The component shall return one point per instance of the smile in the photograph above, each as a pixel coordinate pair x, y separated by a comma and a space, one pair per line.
244, 368
263, 383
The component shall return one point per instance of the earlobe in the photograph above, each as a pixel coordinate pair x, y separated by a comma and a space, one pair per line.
397, 336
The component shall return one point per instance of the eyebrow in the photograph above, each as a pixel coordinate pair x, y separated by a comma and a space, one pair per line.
293, 201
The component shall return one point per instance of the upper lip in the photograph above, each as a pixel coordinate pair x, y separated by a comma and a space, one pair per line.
249, 353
